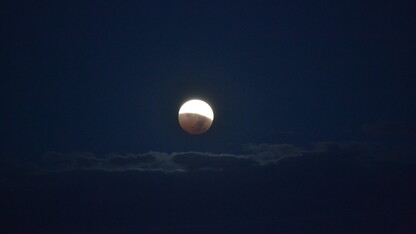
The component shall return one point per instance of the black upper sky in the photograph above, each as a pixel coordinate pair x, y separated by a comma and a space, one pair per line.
108, 77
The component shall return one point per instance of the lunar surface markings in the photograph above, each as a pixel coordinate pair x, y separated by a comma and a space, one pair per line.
195, 117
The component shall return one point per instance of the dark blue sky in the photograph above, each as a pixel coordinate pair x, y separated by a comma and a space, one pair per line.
108, 77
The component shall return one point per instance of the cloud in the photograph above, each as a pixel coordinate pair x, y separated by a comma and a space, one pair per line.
178, 161
195, 160
329, 181
83, 160
271, 153
130, 159
255, 155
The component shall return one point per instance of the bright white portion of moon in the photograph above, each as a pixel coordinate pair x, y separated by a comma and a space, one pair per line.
195, 117
197, 107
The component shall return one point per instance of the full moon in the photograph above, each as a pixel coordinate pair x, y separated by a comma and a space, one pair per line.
195, 116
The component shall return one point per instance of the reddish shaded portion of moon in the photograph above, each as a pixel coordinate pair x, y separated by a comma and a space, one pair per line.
194, 123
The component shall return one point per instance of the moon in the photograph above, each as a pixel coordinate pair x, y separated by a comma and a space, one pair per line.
195, 116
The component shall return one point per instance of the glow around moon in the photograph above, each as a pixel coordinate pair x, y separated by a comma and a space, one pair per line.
195, 116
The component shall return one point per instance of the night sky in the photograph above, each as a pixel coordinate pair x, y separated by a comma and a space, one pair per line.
314, 128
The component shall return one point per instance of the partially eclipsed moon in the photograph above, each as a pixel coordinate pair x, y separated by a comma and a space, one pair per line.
195, 116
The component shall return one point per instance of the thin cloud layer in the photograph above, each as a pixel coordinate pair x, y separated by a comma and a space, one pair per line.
332, 182
256, 155
195, 161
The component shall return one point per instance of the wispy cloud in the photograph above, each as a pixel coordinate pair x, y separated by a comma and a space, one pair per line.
256, 155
